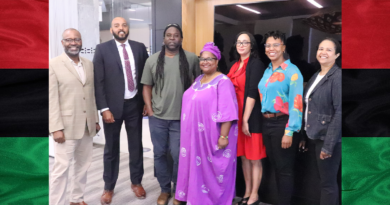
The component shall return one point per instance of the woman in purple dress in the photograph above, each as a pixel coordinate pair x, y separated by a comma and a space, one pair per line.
208, 141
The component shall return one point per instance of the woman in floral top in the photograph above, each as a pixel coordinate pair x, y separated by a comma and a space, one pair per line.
281, 91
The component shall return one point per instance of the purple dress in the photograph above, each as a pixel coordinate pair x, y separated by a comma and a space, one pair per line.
207, 175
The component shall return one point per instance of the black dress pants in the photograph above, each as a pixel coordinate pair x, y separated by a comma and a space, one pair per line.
132, 116
282, 160
328, 169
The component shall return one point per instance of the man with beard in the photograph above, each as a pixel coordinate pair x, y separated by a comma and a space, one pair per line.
73, 118
167, 74
118, 69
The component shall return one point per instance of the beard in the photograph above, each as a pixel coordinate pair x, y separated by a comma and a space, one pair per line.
70, 52
120, 38
173, 46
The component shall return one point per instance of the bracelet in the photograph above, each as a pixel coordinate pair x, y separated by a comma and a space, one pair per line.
225, 137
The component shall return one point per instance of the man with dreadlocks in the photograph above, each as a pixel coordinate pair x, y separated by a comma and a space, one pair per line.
167, 74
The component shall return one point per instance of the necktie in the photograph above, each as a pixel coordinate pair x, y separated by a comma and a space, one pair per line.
129, 74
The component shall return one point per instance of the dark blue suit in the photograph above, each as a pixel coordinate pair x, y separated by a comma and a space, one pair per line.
109, 91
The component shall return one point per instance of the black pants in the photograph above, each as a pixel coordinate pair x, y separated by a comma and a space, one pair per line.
328, 169
132, 116
282, 160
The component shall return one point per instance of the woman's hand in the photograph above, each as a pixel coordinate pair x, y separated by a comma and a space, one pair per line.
286, 141
222, 143
245, 128
323, 155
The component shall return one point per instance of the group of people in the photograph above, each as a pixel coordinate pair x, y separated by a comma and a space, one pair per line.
203, 121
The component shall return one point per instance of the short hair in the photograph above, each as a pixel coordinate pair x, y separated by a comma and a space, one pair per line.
276, 35
254, 50
70, 29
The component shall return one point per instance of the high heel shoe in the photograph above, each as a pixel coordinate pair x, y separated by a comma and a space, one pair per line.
244, 201
256, 202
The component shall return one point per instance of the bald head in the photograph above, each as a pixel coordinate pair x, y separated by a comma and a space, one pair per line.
119, 29
118, 20
70, 31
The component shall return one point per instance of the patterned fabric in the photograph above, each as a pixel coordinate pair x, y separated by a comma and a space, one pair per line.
128, 69
281, 91
207, 174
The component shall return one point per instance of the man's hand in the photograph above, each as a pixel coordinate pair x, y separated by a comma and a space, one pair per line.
323, 155
145, 111
222, 143
97, 127
59, 136
108, 117
302, 146
286, 141
149, 111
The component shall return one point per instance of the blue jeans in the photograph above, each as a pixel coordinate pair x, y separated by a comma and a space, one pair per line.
165, 136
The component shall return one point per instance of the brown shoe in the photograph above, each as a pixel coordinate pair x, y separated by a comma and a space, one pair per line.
106, 197
139, 191
176, 202
163, 198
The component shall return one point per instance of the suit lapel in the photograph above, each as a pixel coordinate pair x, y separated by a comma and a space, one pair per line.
323, 80
114, 50
87, 71
69, 66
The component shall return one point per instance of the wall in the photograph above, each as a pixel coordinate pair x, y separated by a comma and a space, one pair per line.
164, 13
282, 24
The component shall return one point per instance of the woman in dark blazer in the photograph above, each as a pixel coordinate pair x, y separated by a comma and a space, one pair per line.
245, 75
322, 118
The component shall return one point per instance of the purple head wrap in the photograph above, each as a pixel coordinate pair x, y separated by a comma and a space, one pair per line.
212, 48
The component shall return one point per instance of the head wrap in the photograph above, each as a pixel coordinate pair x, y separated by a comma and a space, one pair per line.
173, 25
212, 48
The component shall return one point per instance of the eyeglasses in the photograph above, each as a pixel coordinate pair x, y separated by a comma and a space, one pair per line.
208, 60
275, 45
244, 43
69, 40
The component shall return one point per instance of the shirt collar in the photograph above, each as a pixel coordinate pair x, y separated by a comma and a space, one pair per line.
118, 44
73, 63
283, 66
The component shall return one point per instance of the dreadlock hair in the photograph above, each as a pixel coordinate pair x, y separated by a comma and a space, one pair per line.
184, 68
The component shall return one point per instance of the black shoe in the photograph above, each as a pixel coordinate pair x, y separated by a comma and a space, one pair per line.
244, 201
256, 202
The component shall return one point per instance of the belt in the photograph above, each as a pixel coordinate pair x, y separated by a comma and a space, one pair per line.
271, 115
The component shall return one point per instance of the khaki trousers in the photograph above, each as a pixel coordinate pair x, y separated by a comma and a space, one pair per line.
81, 151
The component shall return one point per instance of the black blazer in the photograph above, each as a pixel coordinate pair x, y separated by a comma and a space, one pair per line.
254, 72
325, 108
109, 78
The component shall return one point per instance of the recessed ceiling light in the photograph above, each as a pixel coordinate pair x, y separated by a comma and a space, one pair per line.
315, 3
254, 11
132, 19
131, 9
